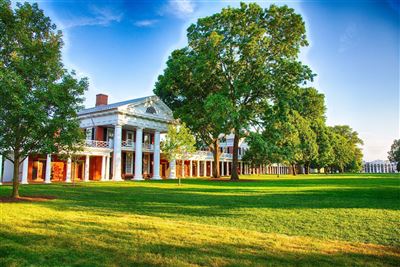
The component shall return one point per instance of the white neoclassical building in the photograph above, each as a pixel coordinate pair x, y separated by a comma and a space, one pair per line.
123, 142
379, 166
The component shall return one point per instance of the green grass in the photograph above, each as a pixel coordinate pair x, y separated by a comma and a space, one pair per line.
307, 220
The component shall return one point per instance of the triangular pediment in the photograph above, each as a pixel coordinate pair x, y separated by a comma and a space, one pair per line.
151, 107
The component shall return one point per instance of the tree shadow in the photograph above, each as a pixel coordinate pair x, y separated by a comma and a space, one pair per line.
130, 249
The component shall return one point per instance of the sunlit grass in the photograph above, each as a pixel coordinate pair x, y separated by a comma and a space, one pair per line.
306, 220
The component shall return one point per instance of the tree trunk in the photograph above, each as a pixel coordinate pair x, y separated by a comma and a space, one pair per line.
216, 154
15, 191
279, 171
294, 169
235, 159
307, 168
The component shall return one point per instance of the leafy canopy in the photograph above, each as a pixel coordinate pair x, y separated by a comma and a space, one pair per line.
38, 96
179, 143
394, 153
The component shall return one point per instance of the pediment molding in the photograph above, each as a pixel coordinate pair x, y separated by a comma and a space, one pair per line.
143, 108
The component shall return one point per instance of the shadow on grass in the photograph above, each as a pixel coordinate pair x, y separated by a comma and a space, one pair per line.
71, 249
147, 199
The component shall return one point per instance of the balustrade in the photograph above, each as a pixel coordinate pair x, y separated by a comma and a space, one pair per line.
128, 144
96, 143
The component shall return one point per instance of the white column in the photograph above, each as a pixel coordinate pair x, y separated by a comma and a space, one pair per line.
47, 179
103, 168
204, 168
1, 168
198, 168
117, 161
211, 168
68, 174
182, 168
87, 168
156, 158
172, 170
138, 155
191, 168
222, 168
107, 169
24, 179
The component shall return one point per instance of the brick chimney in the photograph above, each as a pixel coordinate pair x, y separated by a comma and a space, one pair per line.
101, 100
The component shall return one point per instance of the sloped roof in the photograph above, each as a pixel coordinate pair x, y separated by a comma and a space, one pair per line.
111, 106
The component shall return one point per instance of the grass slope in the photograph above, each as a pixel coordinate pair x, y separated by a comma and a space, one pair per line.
324, 220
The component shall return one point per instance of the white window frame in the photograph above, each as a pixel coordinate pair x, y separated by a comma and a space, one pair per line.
129, 163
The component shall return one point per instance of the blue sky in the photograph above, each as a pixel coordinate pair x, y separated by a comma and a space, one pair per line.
122, 46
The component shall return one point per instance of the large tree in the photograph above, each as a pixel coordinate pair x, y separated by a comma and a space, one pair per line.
38, 96
185, 86
345, 144
255, 53
394, 153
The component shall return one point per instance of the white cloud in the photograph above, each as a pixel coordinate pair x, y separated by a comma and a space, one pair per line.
179, 8
145, 23
101, 17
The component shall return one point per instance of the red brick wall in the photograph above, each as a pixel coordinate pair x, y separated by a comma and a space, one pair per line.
101, 100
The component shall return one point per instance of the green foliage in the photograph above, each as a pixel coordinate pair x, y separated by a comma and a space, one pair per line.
347, 154
39, 98
394, 153
186, 86
253, 52
179, 142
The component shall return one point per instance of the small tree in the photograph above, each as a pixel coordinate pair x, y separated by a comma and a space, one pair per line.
179, 143
394, 153
39, 99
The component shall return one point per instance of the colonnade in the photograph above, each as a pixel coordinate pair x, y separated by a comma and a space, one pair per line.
384, 167
105, 169
201, 169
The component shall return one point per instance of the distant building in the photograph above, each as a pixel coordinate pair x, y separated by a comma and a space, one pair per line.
379, 166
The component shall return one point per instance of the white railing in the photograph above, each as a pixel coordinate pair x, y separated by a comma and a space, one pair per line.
95, 143
226, 155
147, 146
128, 144
204, 153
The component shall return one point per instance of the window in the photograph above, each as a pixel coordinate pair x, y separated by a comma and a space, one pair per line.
129, 137
129, 163
147, 138
151, 110
89, 133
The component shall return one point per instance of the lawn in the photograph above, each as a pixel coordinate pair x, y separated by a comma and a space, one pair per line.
307, 220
